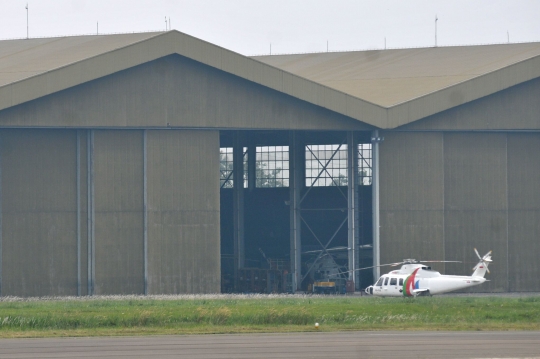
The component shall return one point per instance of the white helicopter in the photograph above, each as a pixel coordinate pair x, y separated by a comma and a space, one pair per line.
416, 279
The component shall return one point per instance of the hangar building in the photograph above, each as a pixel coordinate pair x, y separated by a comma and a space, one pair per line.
158, 163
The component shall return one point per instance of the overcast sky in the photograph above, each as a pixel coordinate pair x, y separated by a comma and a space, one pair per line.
291, 26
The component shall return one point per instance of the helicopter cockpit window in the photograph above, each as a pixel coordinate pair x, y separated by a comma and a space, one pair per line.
386, 281
379, 282
393, 281
400, 281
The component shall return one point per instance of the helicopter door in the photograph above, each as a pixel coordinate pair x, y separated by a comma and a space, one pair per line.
385, 286
393, 287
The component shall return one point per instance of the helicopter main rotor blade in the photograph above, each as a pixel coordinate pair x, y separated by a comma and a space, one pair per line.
381, 265
404, 262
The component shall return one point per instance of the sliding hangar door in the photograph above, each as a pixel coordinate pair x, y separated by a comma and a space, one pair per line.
98, 212
464, 178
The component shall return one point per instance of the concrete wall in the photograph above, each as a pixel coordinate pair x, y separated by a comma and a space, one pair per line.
118, 196
39, 217
442, 194
42, 220
174, 91
183, 212
411, 196
524, 211
475, 191
516, 108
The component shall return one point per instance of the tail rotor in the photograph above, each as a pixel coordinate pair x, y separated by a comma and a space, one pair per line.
482, 266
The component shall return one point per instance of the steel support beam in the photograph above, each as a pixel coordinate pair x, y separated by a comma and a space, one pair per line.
295, 185
238, 206
252, 166
352, 197
375, 140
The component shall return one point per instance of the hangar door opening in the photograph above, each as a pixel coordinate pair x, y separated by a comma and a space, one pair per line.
295, 211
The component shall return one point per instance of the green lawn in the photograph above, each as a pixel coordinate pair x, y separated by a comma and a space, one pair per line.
229, 314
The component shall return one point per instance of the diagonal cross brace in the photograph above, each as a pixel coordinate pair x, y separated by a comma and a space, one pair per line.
324, 169
323, 246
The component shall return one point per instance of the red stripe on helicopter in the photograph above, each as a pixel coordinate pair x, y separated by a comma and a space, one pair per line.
408, 286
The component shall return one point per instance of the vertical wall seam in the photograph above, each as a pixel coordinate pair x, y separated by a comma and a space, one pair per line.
145, 211
90, 209
78, 169
88, 217
507, 224
93, 218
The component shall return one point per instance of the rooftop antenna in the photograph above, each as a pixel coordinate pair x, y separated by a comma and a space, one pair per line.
169, 23
97, 28
166, 23
436, 30
27, 21
270, 48
508, 35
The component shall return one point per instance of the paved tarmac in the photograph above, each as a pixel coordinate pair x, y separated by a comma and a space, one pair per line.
395, 345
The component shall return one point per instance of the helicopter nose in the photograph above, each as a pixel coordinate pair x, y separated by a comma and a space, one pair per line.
369, 290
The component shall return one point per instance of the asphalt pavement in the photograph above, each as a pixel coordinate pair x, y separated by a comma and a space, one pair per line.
381, 345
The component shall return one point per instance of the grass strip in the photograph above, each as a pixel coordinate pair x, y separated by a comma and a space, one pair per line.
142, 316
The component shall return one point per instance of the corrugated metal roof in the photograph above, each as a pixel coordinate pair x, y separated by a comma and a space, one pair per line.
20, 59
391, 77
383, 88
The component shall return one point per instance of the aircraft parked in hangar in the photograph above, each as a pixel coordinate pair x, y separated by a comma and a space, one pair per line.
417, 279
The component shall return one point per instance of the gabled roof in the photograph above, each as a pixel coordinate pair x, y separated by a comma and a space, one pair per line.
391, 77
20, 59
385, 88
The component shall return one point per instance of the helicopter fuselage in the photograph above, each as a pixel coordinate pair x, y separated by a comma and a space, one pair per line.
418, 280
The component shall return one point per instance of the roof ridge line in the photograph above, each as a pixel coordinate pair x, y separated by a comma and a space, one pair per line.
80, 35
394, 48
